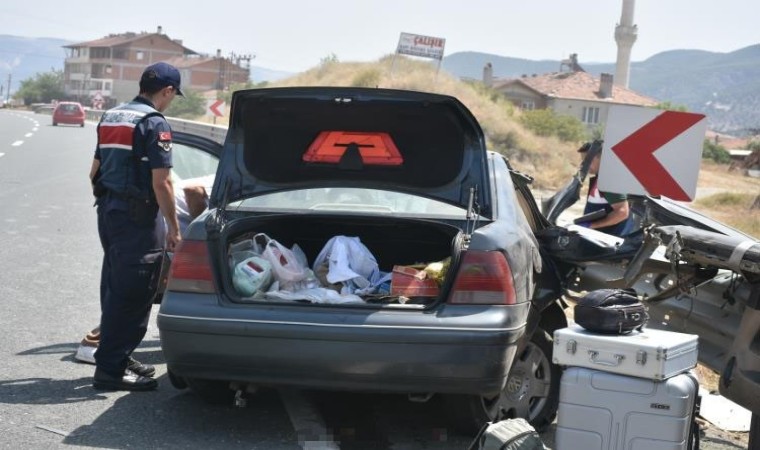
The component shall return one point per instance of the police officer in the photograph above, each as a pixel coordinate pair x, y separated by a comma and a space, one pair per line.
131, 180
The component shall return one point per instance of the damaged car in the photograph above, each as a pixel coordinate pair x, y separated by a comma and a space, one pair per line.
695, 274
454, 297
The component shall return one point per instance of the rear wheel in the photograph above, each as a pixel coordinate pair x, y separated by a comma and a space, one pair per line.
531, 391
55, 124
176, 381
212, 391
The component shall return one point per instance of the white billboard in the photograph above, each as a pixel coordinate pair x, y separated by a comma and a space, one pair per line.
423, 46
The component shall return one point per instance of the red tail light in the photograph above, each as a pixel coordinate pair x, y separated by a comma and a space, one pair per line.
484, 278
191, 269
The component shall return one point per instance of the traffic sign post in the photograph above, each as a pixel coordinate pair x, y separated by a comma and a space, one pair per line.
215, 108
652, 152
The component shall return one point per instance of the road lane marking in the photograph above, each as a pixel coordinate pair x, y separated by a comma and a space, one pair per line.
2, 154
306, 421
17, 143
29, 135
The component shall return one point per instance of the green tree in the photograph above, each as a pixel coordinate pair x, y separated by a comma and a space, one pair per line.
668, 106
42, 88
545, 122
190, 106
715, 152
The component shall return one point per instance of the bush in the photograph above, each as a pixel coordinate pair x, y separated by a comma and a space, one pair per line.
545, 122
715, 152
367, 78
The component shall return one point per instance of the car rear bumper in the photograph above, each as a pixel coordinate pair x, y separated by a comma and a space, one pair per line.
69, 120
465, 350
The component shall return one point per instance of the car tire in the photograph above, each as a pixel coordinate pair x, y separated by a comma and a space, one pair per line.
176, 381
531, 392
82, 125
55, 124
211, 391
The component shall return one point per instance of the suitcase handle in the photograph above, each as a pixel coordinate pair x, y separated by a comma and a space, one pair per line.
593, 355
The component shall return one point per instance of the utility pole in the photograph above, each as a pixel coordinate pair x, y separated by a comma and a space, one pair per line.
8, 92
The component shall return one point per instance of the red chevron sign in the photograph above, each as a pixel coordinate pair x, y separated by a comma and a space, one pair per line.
660, 150
215, 108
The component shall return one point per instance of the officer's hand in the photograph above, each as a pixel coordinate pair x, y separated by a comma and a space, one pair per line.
172, 239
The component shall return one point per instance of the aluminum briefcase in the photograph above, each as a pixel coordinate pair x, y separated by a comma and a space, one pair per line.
652, 354
604, 411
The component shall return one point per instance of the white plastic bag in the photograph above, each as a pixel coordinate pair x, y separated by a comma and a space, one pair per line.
287, 265
252, 275
351, 263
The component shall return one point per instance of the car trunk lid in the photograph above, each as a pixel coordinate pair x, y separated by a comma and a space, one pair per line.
295, 138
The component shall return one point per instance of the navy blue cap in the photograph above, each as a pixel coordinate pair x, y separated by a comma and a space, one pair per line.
161, 75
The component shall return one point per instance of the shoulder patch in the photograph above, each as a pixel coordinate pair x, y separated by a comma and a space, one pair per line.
164, 135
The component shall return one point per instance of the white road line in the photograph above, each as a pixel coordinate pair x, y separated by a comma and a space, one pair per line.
17, 143
29, 135
2, 154
306, 421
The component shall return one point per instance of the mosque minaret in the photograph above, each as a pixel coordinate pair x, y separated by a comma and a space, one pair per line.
625, 36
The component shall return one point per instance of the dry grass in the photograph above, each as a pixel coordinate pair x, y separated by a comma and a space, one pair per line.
727, 196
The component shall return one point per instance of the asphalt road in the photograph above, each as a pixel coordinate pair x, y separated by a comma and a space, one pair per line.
49, 266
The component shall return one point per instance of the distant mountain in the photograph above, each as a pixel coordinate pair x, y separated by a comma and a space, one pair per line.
725, 86
259, 74
23, 57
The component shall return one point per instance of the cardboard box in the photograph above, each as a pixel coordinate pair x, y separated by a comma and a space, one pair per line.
411, 282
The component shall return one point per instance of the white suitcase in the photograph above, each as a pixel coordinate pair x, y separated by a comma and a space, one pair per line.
604, 411
653, 354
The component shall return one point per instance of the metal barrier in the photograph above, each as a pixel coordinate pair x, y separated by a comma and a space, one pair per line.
216, 133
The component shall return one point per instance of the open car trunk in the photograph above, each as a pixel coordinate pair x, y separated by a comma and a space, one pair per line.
393, 242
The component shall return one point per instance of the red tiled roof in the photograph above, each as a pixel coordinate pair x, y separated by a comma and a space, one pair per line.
185, 63
115, 40
578, 86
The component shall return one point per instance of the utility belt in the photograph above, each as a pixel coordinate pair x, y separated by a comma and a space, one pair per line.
142, 209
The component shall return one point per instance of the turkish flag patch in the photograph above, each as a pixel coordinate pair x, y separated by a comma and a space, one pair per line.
164, 135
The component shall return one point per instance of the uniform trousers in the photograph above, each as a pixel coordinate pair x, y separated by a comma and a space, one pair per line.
129, 276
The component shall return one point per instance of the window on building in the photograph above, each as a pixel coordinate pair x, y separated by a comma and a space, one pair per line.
590, 114
528, 105
100, 52
140, 56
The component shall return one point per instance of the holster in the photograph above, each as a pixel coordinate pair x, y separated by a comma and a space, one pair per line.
98, 190
142, 211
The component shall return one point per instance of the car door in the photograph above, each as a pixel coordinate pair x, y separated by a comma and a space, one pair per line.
193, 156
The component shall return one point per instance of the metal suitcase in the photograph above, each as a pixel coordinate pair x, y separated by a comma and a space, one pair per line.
652, 354
605, 411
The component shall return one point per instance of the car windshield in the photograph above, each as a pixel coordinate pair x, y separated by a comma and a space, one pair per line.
354, 200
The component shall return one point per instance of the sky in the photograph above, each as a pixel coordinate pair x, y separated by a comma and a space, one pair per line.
295, 35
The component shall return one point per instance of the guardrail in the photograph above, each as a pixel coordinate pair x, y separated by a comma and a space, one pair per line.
216, 133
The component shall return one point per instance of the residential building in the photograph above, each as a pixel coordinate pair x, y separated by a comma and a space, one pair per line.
575, 93
106, 71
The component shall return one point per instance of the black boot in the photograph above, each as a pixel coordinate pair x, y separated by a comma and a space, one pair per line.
130, 381
144, 370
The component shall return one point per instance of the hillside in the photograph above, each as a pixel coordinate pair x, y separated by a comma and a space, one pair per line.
725, 86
